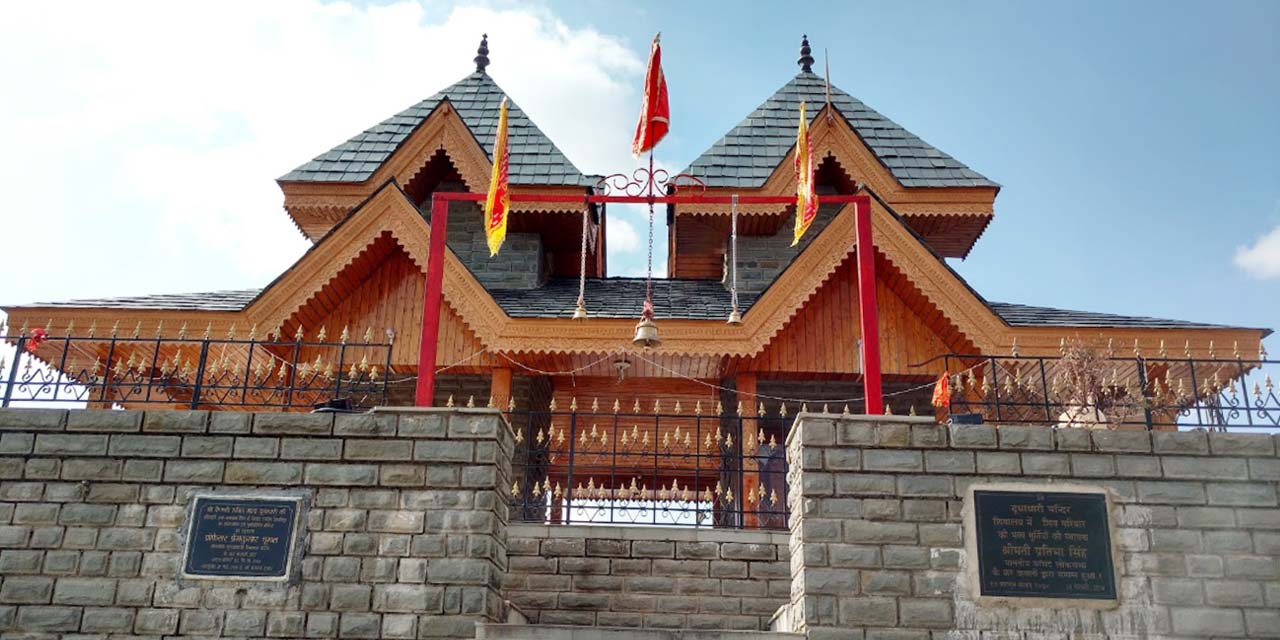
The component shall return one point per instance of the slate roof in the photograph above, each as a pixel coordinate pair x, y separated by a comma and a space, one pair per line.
535, 159
748, 154
622, 298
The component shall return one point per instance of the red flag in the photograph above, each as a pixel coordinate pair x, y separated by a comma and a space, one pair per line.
942, 391
806, 197
655, 113
498, 202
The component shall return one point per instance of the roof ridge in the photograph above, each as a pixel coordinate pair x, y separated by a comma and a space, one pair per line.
747, 154
535, 159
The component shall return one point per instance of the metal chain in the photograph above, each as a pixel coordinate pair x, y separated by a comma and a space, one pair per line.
582, 264
648, 281
733, 252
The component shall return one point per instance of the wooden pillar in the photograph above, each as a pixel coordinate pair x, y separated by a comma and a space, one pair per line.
500, 388
868, 312
426, 387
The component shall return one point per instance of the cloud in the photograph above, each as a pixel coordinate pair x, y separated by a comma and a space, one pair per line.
621, 235
1262, 258
142, 140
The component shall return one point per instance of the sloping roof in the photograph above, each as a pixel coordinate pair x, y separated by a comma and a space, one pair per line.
748, 154
622, 298
1022, 315
230, 300
535, 160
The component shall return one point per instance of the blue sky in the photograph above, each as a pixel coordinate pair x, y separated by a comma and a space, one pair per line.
1135, 141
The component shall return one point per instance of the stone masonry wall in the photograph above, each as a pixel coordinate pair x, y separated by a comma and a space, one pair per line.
519, 265
647, 577
878, 540
405, 533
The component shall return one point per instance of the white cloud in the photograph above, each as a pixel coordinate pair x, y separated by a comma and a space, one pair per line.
621, 236
141, 140
1262, 258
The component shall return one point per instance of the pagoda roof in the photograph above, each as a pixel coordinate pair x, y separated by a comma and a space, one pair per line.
623, 297
535, 160
748, 154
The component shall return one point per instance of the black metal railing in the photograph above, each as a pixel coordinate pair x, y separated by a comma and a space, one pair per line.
674, 467
1158, 392
194, 372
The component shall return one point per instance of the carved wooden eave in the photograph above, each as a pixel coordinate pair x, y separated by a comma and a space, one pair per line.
969, 209
390, 212
316, 207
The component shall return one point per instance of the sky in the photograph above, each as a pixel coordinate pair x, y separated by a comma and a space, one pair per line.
1135, 141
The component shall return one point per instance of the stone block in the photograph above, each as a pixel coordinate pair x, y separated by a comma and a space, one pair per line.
266, 473
32, 419
609, 548
207, 446
365, 424
653, 549
745, 551
26, 589
421, 426
1172, 492
107, 620
1202, 468
311, 449
104, 420
1087, 465
66, 444
37, 619
1046, 464
91, 592
173, 421
341, 474
867, 532
1126, 441
973, 437
1207, 622
1177, 591
933, 613
17, 443
256, 447
300, 424
378, 450
1072, 439
1241, 444
1242, 494
931, 486
892, 460
1023, 438
230, 423
999, 463
949, 461
1180, 442
193, 471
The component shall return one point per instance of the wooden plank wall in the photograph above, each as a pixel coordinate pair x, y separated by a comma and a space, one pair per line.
388, 294
822, 338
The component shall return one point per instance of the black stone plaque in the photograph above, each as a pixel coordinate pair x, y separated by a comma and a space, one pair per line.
1036, 544
241, 537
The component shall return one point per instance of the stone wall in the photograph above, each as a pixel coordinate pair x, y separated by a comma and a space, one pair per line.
647, 576
405, 528
762, 258
878, 542
520, 264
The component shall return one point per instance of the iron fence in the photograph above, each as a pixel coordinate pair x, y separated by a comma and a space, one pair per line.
1097, 390
673, 468
195, 372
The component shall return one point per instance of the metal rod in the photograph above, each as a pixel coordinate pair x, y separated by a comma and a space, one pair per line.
19, 347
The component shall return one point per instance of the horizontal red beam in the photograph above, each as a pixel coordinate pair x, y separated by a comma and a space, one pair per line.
675, 199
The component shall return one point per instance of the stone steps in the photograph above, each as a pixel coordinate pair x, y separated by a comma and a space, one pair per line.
487, 631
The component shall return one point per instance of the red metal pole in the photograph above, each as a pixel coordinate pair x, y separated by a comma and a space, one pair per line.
868, 312
426, 386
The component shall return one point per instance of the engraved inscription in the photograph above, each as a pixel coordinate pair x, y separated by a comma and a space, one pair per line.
1044, 545
241, 537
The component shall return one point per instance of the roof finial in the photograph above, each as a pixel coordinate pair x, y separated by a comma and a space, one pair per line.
806, 60
482, 54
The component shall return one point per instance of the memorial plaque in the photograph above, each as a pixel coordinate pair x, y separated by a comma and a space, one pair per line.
241, 537
1043, 544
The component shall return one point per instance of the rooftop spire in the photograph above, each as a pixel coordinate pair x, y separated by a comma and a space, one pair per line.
806, 60
482, 54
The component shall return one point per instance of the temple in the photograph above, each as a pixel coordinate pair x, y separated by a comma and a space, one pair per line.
505, 329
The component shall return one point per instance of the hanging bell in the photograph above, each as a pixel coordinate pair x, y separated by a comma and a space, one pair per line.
646, 333
735, 317
580, 313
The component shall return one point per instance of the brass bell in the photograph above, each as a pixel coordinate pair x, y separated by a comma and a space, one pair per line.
581, 312
646, 334
735, 317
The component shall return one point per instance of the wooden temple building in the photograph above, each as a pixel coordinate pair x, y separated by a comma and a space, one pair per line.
506, 333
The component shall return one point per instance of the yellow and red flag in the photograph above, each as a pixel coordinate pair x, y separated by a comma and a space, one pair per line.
806, 198
498, 204
655, 112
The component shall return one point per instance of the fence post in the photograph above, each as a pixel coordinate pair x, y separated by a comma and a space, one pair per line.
195, 389
1142, 384
19, 347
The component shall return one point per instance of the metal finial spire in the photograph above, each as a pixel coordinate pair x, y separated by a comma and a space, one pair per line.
806, 57
482, 54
